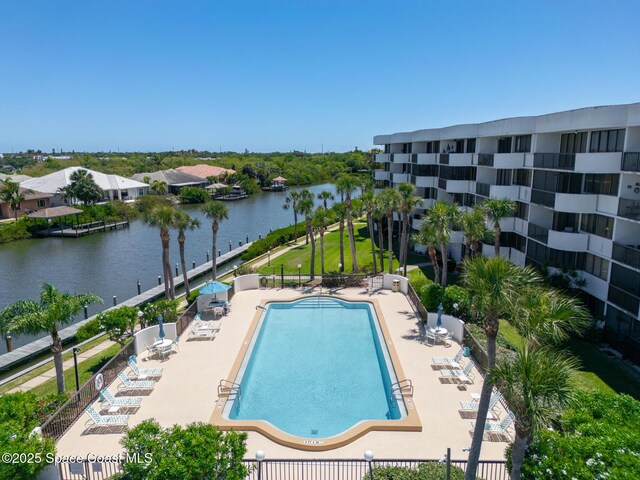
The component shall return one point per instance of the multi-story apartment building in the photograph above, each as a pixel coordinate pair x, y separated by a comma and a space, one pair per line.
575, 176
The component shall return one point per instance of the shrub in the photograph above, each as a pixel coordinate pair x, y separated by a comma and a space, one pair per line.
272, 240
424, 471
14, 231
192, 296
420, 282
431, 295
167, 308
455, 294
119, 323
88, 330
193, 195
193, 452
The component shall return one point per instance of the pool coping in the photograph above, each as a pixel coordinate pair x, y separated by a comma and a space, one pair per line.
410, 423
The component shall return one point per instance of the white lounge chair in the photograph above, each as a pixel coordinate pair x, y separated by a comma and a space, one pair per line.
431, 337
201, 333
472, 406
98, 420
465, 375
109, 401
497, 428
453, 362
128, 384
143, 373
207, 325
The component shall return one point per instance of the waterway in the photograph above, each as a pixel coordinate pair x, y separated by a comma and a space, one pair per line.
110, 263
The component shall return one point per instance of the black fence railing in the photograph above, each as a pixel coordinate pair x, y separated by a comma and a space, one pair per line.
442, 183
631, 162
187, 316
626, 254
477, 350
65, 416
444, 159
548, 199
485, 159
414, 299
624, 300
307, 469
629, 208
558, 161
483, 189
328, 280
538, 233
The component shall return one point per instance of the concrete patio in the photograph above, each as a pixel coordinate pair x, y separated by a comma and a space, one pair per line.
187, 390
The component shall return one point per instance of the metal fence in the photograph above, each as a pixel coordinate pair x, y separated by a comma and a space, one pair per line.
185, 319
65, 416
340, 280
414, 299
307, 469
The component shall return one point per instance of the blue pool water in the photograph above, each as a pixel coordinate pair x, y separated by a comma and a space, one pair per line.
315, 368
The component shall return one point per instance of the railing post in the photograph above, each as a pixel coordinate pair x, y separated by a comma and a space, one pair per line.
281, 275
9, 343
139, 289
448, 463
75, 367
86, 312
159, 280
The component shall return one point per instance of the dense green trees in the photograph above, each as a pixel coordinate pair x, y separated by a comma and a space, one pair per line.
82, 188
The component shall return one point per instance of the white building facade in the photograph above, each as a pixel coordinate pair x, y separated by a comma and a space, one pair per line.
575, 176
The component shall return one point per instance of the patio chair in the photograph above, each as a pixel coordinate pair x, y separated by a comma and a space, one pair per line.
472, 406
109, 401
128, 384
151, 350
201, 333
431, 337
143, 373
446, 339
465, 375
453, 362
497, 428
98, 420
208, 325
174, 345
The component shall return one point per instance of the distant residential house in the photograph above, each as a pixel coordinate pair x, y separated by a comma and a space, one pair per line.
206, 171
16, 178
175, 179
114, 187
33, 201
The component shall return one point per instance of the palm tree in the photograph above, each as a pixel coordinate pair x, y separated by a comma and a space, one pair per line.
442, 216
13, 195
347, 185
497, 209
163, 218
321, 219
216, 212
409, 202
369, 204
159, 187
474, 227
305, 207
340, 213
54, 310
291, 202
493, 284
428, 235
379, 214
325, 196
182, 223
537, 384
390, 201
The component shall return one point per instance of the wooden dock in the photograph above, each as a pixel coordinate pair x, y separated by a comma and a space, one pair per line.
84, 229
36, 347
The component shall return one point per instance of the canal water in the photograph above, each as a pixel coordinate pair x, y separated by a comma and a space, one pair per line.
110, 263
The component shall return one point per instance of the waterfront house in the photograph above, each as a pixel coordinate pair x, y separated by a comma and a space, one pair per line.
175, 179
206, 171
115, 187
33, 201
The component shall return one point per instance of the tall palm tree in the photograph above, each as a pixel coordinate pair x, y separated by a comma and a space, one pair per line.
321, 219
54, 310
409, 202
474, 227
428, 235
325, 197
163, 218
305, 207
340, 214
291, 202
348, 185
159, 187
390, 201
537, 384
497, 209
493, 284
368, 205
442, 216
12, 194
379, 215
182, 223
216, 212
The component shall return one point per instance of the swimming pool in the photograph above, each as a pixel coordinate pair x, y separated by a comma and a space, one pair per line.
314, 368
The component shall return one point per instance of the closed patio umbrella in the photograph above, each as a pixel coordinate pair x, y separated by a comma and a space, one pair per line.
160, 329
439, 321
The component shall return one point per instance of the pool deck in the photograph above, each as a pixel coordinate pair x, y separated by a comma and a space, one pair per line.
187, 391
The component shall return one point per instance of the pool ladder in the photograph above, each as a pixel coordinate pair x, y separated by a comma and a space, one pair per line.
229, 389
401, 388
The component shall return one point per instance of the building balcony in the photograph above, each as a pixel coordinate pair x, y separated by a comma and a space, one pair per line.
556, 161
624, 300
631, 162
461, 159
427, 159
485, 159
568, 240
605, 162
511, 192
483, 189
401, 178
627, 254
457, 186
508, 160
538, 233
401, 158
600, 246
540, 197
383, 157
381, 175
629, 208
416, 223
576, 202
425, 182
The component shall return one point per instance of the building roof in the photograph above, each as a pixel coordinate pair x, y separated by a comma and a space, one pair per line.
54, 212
279, 179
15, 178
205, 171
29, 194
54, 181
171, 177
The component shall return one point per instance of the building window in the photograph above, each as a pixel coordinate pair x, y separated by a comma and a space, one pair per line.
141, 191
523, 143
625, 279
597, 224
387, 148
557, 182
433, 147
457, 173
459, 146
603, 184
607, 141
42, 203
522, 176
573, 142
504, 145
471, 145
503, 177
522, 211
424, 170
595, 265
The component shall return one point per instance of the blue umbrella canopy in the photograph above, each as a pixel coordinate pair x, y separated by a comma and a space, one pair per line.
214, 287
160, 329
439, 321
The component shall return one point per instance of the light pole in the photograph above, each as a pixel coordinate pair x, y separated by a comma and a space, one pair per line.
260, 457
140, 314
269, 256
368, 456
340, 267
299, 279
75, 367
235, 269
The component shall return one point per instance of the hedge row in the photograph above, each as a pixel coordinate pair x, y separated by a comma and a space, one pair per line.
272, 240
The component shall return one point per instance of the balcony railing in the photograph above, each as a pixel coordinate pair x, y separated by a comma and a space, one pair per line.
548, 199
485, 159
631, 162
625, 254
629, 208
444, 159
442, 183
414, 158
624, 300
483, 189
538, 233
560, 161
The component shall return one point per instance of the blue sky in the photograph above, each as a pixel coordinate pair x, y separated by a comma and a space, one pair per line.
274, 75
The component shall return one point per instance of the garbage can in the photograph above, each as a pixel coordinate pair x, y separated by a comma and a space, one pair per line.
395, 286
